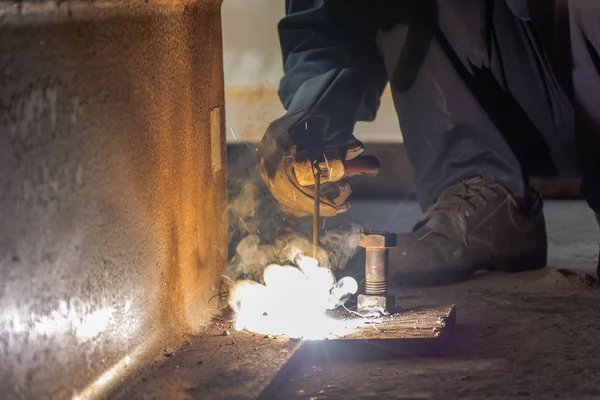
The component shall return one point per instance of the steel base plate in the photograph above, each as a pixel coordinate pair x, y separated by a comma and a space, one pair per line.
415, 331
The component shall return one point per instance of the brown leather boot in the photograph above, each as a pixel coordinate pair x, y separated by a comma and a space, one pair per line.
471, 227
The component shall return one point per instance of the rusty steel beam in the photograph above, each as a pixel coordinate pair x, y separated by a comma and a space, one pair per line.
416, 331
113, 230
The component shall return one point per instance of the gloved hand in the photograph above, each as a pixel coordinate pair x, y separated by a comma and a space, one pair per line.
295, 132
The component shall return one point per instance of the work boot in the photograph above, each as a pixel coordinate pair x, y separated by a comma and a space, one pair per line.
471, 227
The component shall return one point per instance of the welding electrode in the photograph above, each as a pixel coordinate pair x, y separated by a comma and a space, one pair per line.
316, 212
310, 171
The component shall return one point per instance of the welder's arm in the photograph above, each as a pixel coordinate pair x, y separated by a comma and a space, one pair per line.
334, 77
331, 61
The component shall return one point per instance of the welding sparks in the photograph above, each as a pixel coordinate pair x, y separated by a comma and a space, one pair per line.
243, 223
233, 134
293, 301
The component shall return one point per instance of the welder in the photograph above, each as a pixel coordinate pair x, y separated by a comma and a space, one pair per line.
488, 94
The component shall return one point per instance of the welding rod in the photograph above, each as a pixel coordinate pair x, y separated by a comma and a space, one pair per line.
316, 212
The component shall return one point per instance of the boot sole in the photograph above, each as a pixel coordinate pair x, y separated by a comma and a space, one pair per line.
526, 262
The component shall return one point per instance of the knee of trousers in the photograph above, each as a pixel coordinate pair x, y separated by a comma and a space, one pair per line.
585, 15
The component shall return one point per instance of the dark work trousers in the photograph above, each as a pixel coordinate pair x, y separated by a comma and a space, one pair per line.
481, 101
585, 43
474, 90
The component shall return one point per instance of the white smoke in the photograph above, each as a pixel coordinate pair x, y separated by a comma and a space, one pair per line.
260, 235
276, 288
293, 301
338, 246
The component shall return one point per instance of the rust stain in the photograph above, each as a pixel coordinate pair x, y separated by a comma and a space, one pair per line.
179, 158
147, 208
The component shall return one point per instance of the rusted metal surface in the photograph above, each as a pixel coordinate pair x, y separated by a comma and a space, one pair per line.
374, 304
112, 187
376, 262
415, 331
375, 299
378, 240
408, 323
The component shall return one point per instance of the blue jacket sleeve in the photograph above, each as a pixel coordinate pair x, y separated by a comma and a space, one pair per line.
332, 66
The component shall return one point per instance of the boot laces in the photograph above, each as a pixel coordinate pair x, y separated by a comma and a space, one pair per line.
465, 197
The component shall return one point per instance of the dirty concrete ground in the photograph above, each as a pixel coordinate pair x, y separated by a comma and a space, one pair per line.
531, 335
217, 364
534, 336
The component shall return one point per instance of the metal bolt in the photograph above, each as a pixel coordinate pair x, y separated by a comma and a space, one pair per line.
376, 245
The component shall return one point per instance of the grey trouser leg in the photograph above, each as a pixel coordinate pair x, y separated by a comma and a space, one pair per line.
585, 44
483, 103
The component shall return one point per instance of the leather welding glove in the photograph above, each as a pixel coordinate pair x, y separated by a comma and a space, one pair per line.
301, 131
334, 76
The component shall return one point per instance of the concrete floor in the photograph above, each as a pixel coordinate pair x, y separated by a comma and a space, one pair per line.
531, 335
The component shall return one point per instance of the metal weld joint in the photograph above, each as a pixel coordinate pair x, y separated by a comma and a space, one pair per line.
377, 246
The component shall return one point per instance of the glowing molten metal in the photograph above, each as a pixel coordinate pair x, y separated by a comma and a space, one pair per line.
293, 301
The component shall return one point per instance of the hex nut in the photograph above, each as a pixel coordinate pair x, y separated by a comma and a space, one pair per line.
378, 240
366, 303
